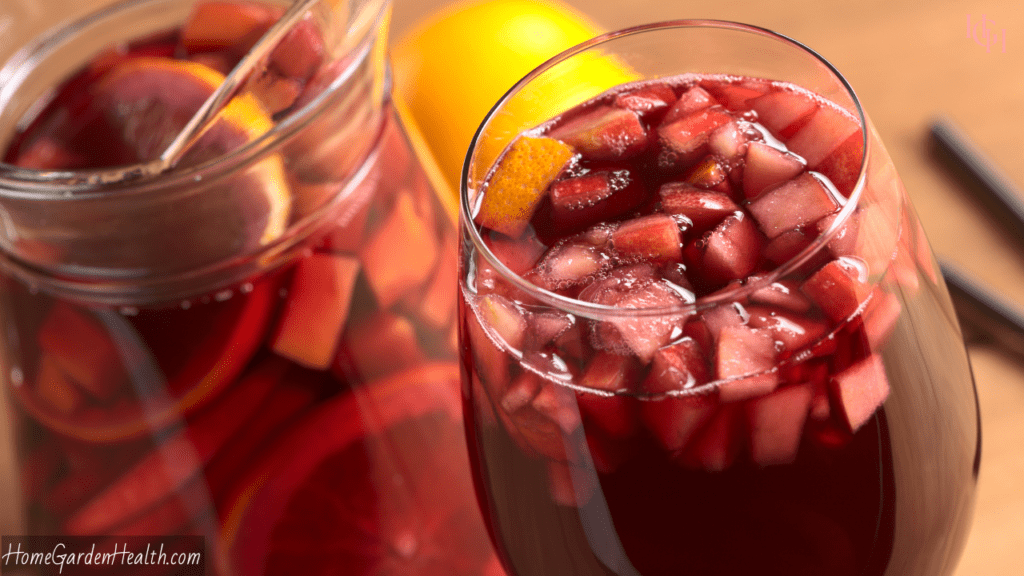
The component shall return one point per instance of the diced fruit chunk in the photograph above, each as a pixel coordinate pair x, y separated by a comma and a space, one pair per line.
782, 110
827, 129
730, 251
655, 237
604, 133
691, 101
800, 201
520, 181
647, 100
860, 390
641, 335
745, 360
704, 208
317, 309
377, 345
582, 201
608, 375
776, 424
82, 350
684, 139
765, 166
839, 287
226, 25
400, 255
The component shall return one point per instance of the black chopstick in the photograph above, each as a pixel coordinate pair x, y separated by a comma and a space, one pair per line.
993, 190
982, 313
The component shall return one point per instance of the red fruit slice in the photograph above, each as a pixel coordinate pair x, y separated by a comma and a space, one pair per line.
520, 392
604, 133
787, 245
503, 319
691, 101
736, 96
647, 100
844, 240
839, 287
728, 142
745, 360
654, 237
489, 360
842, 165
674, 419
585, 200
641, 335
716, 319
201, 367
570, 263
784, 293
393, 458
776, 424
558, 404
519, 183
81, 348
730, 251
826, 130
300, 53
609, 375
716, 446
378, 345
681, 366
860, 389
795, 331
704, 208
546, 326
765, 166
316, 310
179, 458
685, 140
709, 174
800, 201
399, 257
223, 25
783, 111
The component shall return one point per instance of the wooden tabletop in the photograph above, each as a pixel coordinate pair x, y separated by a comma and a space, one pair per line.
908, 61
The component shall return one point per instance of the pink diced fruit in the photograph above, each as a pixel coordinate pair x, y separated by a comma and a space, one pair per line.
654, 196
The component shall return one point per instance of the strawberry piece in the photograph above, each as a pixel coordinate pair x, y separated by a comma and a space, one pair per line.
730, 251
800, 201
745, 360
608, 375
704, 208
316, 310
842, 166
399, 257
824, 132
520, 181
377, 345
765, 166
178, 459
685, 140
860, 389
654, 237
642, 335
728, 142
83, 351
838, 288
648, 101
776, 423
55, 388
693, 100
783, 111
570, 263
795, 331
716, 446
784, 293
582, 201
709, 174
604, 133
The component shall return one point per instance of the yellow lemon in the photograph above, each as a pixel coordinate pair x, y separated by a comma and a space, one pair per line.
455, 65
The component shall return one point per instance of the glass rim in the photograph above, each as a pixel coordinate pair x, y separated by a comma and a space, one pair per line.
727, 294
21, 183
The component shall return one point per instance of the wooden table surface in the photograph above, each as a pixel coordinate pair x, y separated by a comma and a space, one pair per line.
908, 61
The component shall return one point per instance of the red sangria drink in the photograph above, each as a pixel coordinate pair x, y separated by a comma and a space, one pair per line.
256, 346
702, 329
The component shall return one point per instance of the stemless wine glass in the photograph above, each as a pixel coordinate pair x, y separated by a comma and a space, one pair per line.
702, 329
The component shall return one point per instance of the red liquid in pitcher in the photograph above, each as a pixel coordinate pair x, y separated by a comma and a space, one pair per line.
299, 419
766, 434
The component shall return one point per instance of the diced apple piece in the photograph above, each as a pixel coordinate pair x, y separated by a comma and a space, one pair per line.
860, 389
604, 133
718, 317
730, 251
400, 256
582, 201
489, 360
83, 351
842, 165
437, 305
776, 424
674, 419
844, 240
708, 174
520, 181
685, 140
680, 366
737, 95
642, 335
728, 141
784, 293
316, 310
55, 388
570, 485
519, 254
570, 263
546, 326
716, 446
380, 344
785, 246
654, 237
705, 208
782, 111
608, 375
826, 130
795, 331
300, 53
226, 25
502, 318
745, 361
839, 287
648, 100
520, 392
765, 166
693, 100
800, 201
